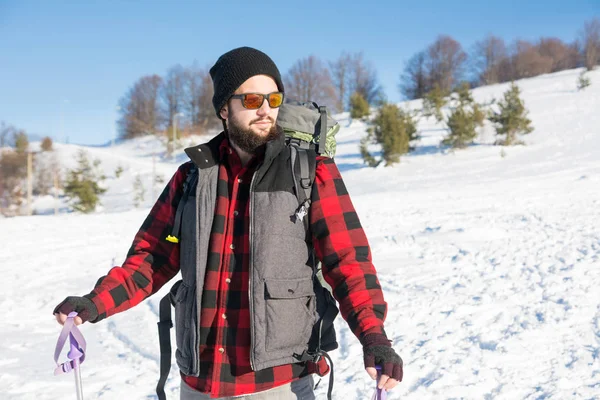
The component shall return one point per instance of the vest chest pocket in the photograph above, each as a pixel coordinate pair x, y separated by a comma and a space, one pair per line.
290, 313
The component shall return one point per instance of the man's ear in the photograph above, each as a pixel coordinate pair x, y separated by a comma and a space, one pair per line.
224, 113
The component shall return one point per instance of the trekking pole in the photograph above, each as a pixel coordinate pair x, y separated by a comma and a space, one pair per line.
380, 394
76, 354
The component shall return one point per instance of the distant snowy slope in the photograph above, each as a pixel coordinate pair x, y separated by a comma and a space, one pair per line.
140, 156
490, 265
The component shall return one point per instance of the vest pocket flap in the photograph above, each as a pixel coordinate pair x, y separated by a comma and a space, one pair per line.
288, 288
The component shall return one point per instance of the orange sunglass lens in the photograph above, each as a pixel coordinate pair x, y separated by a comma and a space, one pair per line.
275, 99
253, 100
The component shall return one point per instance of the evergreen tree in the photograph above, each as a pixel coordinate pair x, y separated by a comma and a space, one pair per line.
359, 107
159, 179
409, 120
512, 119
21, 142
393, 129
83, 184
583, 81
138, 191
434, 101
463, 94
465, 118
364, 150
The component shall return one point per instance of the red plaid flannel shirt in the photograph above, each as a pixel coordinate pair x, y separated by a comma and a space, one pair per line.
339, 242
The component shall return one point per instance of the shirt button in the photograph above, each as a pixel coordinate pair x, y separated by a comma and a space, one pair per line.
221, 350
235, 213
224, 316
228, 280
232, 246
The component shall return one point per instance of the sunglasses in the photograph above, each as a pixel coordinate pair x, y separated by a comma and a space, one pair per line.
255, 101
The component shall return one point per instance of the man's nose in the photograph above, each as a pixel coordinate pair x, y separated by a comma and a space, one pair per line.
264, 109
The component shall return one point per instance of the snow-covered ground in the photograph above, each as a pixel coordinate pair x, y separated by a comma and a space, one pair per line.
489, 263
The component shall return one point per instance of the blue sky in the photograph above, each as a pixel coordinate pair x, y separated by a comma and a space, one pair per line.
73, 60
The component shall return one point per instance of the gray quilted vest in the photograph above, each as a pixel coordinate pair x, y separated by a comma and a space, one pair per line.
291, 314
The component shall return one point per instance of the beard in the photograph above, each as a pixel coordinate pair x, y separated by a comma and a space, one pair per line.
248, 140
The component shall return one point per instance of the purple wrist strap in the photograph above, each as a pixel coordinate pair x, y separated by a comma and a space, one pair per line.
380, 394
76, 354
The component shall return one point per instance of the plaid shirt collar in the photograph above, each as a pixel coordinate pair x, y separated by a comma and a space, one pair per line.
208, 154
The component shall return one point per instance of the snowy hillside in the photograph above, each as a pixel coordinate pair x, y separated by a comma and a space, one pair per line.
490, 264
135, 158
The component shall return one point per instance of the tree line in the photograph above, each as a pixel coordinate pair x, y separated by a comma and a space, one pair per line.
393, 129
445, 64
153, 102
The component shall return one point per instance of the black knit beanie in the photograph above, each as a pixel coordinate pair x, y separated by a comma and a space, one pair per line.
235, 67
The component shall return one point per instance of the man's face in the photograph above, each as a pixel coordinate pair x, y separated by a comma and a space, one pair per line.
249, 128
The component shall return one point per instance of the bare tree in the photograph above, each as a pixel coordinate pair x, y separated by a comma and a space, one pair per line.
486, 58
562, 55
506, 70
445, 62
207, 116
46, 144
309, 80
13, 171
590, 43
6, 132
528, 62
363, 79
575, 54
140, 112
414, 81
172, 93
193, 85
340, 75
198, 99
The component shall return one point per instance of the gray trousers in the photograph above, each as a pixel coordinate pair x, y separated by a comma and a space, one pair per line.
301, 389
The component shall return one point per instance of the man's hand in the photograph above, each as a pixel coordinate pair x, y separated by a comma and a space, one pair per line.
378, 351
62, 318
84, 307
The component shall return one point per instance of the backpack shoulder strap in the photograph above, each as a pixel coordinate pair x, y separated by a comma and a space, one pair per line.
323, 130
164, 338
303, 164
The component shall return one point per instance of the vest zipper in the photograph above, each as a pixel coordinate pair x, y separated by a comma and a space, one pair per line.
250, 280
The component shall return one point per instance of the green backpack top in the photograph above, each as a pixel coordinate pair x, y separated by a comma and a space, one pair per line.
308, 123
